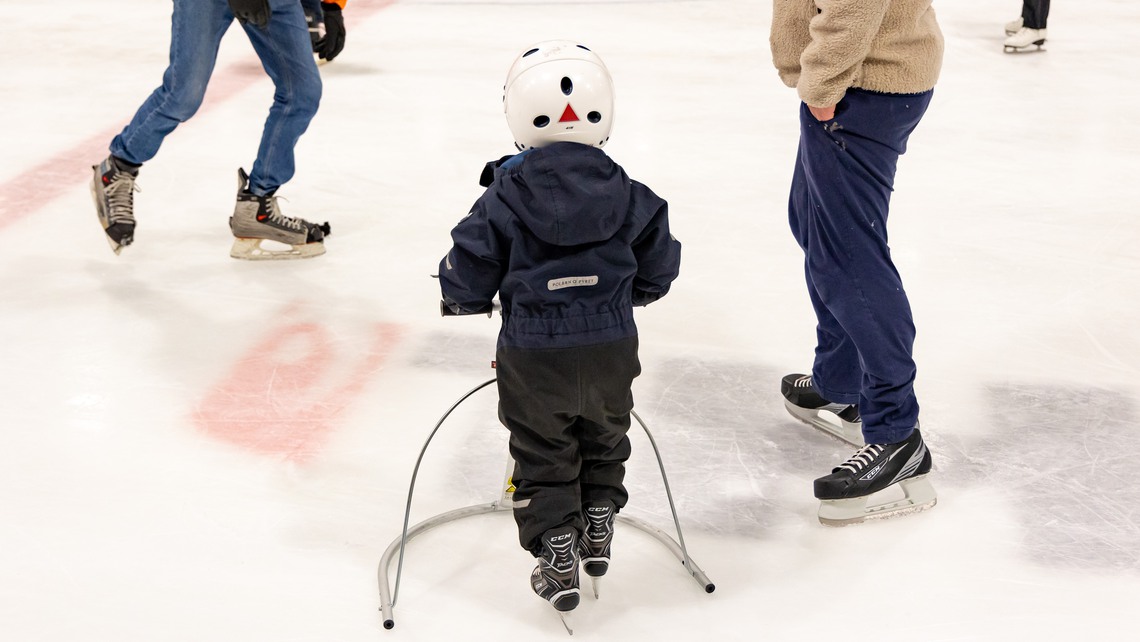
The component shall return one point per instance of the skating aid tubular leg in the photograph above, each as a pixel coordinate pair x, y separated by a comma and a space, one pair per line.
504, 504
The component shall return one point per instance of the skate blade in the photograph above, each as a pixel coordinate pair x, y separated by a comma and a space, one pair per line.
251, 249
1010, 49
596, 584
918, 495
843, 430
115, 247
567, 620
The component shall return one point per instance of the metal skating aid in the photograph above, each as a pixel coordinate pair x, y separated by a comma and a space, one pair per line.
503, 504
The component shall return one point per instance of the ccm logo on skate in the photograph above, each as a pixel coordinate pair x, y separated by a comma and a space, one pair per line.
559, 538
871, 473
571, 282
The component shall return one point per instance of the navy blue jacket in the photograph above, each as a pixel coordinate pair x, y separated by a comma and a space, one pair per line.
569, 242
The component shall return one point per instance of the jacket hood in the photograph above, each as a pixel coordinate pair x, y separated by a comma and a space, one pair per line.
566, 193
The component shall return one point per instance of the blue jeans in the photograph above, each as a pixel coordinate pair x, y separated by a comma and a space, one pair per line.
841, 192
286, 54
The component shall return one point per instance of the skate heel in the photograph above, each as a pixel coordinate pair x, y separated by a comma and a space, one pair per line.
567, 600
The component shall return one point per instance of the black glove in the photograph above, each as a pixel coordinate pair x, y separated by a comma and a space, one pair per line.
333, 43
255, 12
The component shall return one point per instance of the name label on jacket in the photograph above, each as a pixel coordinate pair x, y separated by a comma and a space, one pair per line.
571, 282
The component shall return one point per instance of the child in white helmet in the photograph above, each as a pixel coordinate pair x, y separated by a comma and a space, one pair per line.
570, 244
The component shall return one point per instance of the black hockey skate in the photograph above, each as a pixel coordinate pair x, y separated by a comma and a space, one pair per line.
113, 190
804, 402
595, 543
555, 578
846, 492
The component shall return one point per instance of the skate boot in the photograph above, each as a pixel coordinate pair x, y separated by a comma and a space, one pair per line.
555, 578
113, 190
804, 402
1023, 39
258, 219
595, 543
846, 493
1013, 26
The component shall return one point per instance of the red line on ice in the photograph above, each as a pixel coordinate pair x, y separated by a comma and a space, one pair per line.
284, 397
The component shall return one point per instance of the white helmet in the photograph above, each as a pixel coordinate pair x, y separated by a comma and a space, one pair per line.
559, 90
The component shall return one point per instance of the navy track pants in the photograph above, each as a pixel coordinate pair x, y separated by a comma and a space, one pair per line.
841, 191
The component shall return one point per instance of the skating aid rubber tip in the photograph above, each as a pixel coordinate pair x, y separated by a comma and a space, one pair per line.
388, 624
709, 588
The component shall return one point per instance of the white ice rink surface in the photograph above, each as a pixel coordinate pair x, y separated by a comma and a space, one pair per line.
198, 448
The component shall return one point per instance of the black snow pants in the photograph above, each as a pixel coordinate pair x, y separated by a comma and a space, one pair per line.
568, 411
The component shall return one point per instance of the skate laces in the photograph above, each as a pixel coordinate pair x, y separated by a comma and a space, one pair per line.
120, 191
275, 216
862, 458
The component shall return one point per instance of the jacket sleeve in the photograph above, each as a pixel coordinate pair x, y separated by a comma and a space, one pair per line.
790, 36
658, 257
470, 274
841, 37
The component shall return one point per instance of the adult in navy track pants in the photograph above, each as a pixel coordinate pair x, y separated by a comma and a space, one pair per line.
840, 196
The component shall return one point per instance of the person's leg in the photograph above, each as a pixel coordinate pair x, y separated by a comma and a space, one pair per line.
286, 53
1035, 13
849, 166
608, 372
538, 404
836, 368
197, 27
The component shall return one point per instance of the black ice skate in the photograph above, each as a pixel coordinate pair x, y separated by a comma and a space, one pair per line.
846, 493
595, 543
555, 578
113, 190
804, 402
258, 219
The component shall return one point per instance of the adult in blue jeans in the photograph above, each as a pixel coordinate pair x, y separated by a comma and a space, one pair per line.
865, 72
280, 36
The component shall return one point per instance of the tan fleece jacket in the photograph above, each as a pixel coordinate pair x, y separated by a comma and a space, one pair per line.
823, 47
